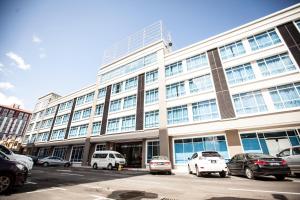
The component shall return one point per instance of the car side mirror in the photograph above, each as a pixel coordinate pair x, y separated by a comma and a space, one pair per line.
189, 158
277, 155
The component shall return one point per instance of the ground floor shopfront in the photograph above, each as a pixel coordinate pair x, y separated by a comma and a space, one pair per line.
138, 153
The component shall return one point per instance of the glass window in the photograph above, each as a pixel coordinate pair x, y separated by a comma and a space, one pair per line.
205, 110
58, 134
131, 83
151, 119
77, 115
78, 131
73, 131
286, 96
129, 102
173, 69
276, 65
298, 24
198, 61
77, 154
60, 152
200, 84
151, 96
100, 147
115, 105
185, 148
86, 113
117, 88
130, 67
83, 130
96, 128
240, 74
175, 90
177, 115
128, 123
65, 118
152, 150
151, 76
249, 102
101, 93
99, 109
113, 125
263, 40
250, 143
89, 97
80, 100
232, 50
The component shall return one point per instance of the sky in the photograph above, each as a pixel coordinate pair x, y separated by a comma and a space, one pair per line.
57, 45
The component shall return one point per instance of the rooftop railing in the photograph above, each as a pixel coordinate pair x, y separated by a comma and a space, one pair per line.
148, 35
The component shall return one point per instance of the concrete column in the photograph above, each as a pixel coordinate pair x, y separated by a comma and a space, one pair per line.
68, 153
86, 152
144, 153
171, 151
51, 150
164, 143
233, 141
92, 149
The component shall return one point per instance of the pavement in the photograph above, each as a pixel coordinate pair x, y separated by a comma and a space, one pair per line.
56, 183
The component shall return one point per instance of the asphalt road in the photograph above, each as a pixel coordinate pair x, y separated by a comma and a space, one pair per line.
54, 183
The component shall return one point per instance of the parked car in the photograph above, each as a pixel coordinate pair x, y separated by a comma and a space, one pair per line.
107, 159
160, 164
255, 164
25, 160
34, 159
53, 161
292, 157
12, 173
207, 162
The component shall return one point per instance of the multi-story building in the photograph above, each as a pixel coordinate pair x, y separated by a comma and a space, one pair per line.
235, 92
13, 122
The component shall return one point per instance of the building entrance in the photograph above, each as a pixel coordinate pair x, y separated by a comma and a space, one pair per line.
132, 152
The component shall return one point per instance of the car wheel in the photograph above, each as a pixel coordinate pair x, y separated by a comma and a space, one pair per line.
297, 174
109, 166
67, 165
45, 164
222, 174
189, 169
197, 172
280, 177
5, 183
95, 166
249, 173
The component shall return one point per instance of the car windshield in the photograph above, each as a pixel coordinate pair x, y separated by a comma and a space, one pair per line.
210, 154
119, 155
160, 158
258, 155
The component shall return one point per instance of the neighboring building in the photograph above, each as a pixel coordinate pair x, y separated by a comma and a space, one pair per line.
13, 123
235, 92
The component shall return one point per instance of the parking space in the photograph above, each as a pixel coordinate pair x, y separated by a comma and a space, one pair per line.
53, 183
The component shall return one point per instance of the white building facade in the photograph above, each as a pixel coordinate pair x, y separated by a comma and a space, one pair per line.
235, 92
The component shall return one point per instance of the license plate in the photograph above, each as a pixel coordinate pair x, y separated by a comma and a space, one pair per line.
161, 163
274, 164
213, 161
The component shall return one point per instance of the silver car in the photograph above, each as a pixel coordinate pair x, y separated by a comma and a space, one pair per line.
292, 157
53, 161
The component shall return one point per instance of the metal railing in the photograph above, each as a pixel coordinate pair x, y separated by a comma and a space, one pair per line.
148, 35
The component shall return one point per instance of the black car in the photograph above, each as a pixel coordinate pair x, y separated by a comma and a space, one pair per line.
255, 164
11, 174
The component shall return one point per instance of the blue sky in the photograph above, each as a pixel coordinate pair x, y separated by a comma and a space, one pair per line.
57, 45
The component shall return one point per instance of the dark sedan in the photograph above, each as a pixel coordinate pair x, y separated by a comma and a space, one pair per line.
11, 174
255, 164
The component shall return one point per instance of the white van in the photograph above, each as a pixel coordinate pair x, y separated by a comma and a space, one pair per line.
107, 159
25, 160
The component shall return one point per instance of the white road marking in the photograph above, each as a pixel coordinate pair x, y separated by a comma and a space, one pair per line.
45, 190
29, 182
64, 170
70, 174
100, 197
264, 191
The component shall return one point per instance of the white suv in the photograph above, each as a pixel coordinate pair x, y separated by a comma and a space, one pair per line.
107, 159
25, 160
207, 162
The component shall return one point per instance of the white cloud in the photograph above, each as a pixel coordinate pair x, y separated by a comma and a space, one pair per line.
6, 85
1, 65
9, 100
36, 39
18, 60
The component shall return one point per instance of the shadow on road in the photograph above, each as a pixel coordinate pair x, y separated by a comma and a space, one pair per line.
51, 177
131, 194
